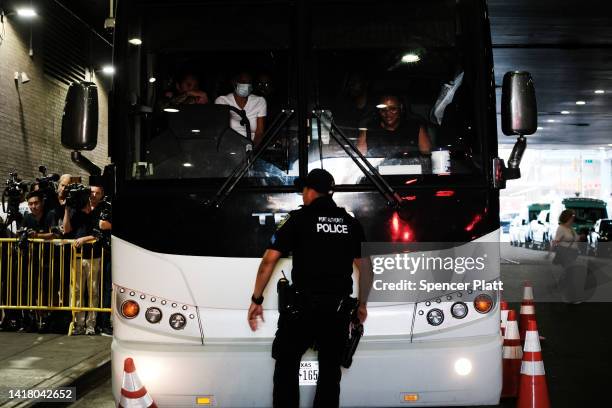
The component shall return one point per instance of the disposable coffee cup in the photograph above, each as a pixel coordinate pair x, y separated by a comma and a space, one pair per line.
440, 161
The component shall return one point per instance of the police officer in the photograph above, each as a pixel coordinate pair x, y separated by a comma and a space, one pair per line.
325, 242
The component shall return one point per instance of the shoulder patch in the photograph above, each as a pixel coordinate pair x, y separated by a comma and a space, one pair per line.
283, 221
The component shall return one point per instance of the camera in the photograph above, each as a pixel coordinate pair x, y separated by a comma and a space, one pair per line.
46, 184
13, 195
77, 196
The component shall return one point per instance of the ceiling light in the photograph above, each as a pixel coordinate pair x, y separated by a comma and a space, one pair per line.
565, 112
540, 128
171, 110
108, 69
135, 41
381, 106
410, 58
551, 121
609, 144
195, 130
187, 164
152, 79
602, 148
599, 91
26, 12
580, 103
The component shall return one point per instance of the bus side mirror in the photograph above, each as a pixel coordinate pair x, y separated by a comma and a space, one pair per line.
519, 116
80, 117
519, 112
80, 123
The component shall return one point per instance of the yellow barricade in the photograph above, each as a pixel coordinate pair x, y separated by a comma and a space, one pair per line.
51, 274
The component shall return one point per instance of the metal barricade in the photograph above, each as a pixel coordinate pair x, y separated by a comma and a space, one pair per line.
50, 275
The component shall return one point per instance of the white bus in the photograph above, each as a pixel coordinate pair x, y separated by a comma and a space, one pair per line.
196, 201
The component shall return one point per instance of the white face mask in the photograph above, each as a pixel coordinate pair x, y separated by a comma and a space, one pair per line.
243, 90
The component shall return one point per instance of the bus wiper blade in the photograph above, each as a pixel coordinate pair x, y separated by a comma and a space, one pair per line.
238, 173
393, 199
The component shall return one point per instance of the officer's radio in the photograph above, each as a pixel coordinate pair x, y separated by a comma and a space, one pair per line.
283, 289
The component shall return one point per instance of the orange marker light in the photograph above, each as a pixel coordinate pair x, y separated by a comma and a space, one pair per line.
483, 303
411, 397
130, 309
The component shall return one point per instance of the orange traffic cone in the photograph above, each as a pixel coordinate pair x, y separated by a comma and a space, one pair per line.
504, 316
527, 311
133, 393
533, 392
512, 356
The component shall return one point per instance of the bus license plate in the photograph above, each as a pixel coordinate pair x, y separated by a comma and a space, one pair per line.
309, 372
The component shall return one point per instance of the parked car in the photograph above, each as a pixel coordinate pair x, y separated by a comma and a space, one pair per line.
541, 230
533, 210
600, 238
518, 231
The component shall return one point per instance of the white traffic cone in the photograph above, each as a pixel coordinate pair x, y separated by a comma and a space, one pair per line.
133, 393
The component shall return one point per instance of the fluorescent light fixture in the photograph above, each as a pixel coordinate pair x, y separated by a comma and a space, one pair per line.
599, 91
410, 58
195, 130
187, 165
135, 41
27, 12
602, 148
609, 144
171, 110
152, 79
580, 102
108, 69
565, 112
381, 106
551, 121
540, 128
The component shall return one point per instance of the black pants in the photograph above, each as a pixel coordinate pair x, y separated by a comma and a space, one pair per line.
317, 324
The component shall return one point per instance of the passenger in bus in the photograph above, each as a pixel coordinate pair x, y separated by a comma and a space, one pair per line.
354, 109
392, 132
187, 92
264, 86
254, 106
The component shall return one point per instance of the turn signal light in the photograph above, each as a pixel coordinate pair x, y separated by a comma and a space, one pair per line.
130, 309
483, 303
410, 397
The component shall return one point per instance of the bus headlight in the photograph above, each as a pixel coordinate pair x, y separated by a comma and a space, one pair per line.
177, 321
130, 309
463, 366
459, 310
435, 317
483, 303
153, 315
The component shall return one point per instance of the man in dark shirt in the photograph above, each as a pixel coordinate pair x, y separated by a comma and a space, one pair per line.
325, 242
79, 224
392, 134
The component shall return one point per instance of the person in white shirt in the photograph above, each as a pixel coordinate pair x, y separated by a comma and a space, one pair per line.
254, 106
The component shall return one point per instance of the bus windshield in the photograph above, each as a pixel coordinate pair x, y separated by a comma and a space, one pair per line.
389, 78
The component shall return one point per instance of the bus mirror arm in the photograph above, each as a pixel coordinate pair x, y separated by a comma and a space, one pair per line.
391, 196
84, 163
513, 171
238, 173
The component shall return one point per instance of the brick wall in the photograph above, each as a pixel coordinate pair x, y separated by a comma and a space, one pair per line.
30, 113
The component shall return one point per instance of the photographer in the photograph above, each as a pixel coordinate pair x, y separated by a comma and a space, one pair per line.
36, 224
79, 223
102, 210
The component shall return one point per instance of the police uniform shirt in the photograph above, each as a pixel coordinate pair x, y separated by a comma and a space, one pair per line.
324, 240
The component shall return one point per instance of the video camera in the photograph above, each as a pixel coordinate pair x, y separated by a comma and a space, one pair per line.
77, 196
46, 185
12, 195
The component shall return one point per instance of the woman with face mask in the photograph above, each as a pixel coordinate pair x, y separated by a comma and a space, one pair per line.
254, 106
